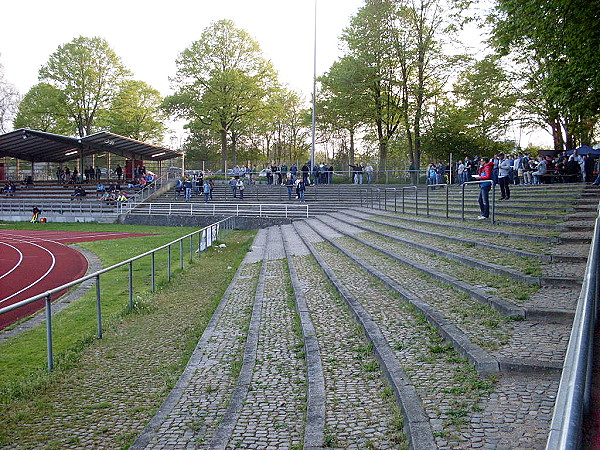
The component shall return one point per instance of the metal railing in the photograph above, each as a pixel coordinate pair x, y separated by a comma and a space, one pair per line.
573, 398
433, 186
205, 238
403, 190
75, 206
219, 208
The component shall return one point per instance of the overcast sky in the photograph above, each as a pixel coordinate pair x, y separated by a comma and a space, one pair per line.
148, 36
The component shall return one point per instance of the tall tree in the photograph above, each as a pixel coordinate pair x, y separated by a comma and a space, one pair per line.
43, 108
342, 99
369, 40
9, 99
88, 73
487, 97
135, 112
398, 47
558, 41
222, 79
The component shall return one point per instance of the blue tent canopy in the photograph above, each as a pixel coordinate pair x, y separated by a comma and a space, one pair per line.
586, 150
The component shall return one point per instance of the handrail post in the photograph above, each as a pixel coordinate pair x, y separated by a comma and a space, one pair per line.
493, 202
49, 333
169, 263
463, 201
181, 254
447, 200
191, 248
384, 199
98, 307
416, 201
153, 274
131, 285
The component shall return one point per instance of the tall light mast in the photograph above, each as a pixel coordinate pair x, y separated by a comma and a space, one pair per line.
314, 97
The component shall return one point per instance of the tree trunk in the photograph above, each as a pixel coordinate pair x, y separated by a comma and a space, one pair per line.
223, 148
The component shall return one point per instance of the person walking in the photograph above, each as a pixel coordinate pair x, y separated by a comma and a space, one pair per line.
233, 184
240, 187
289, 184
484, 173
300, 188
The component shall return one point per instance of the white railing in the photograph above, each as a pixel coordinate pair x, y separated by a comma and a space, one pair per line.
218, 208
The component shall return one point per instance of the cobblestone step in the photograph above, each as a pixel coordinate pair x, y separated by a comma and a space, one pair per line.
434, 375
196, 406
358, 412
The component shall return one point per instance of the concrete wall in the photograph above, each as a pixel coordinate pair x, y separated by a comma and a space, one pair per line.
241, 223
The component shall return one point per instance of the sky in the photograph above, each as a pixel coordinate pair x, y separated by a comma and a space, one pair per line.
148, 39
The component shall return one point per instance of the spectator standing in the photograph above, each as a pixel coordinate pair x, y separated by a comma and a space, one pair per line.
484, 173
330, 174
460, 170
305, 172
440, 173
289, 184
119, 172
369, 172
187, 188
504, 176
206, 190
212, 187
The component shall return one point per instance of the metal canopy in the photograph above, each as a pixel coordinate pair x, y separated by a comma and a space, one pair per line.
39, 146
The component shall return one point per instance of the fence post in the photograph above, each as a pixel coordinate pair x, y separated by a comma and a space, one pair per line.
191, 247
98, 307
49, 333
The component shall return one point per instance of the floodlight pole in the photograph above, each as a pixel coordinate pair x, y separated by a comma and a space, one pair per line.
314, 97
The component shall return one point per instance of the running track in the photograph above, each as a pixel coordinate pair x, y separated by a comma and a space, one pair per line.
34, 261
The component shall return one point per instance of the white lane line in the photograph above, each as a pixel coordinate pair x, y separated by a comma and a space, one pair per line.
39, 278
20, 253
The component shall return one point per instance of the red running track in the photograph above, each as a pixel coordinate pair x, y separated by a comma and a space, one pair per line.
34, 261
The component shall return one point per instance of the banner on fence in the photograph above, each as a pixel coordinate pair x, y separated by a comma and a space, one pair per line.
209, 235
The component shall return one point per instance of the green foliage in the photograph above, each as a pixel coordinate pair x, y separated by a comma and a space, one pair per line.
43, 108
556, 42
222, 82
135, 112
88, 73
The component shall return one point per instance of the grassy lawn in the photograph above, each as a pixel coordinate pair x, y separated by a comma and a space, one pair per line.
23, 362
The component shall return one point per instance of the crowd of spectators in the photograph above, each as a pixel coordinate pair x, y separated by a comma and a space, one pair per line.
523, 169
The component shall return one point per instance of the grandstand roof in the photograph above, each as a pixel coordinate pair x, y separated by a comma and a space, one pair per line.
40, 146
